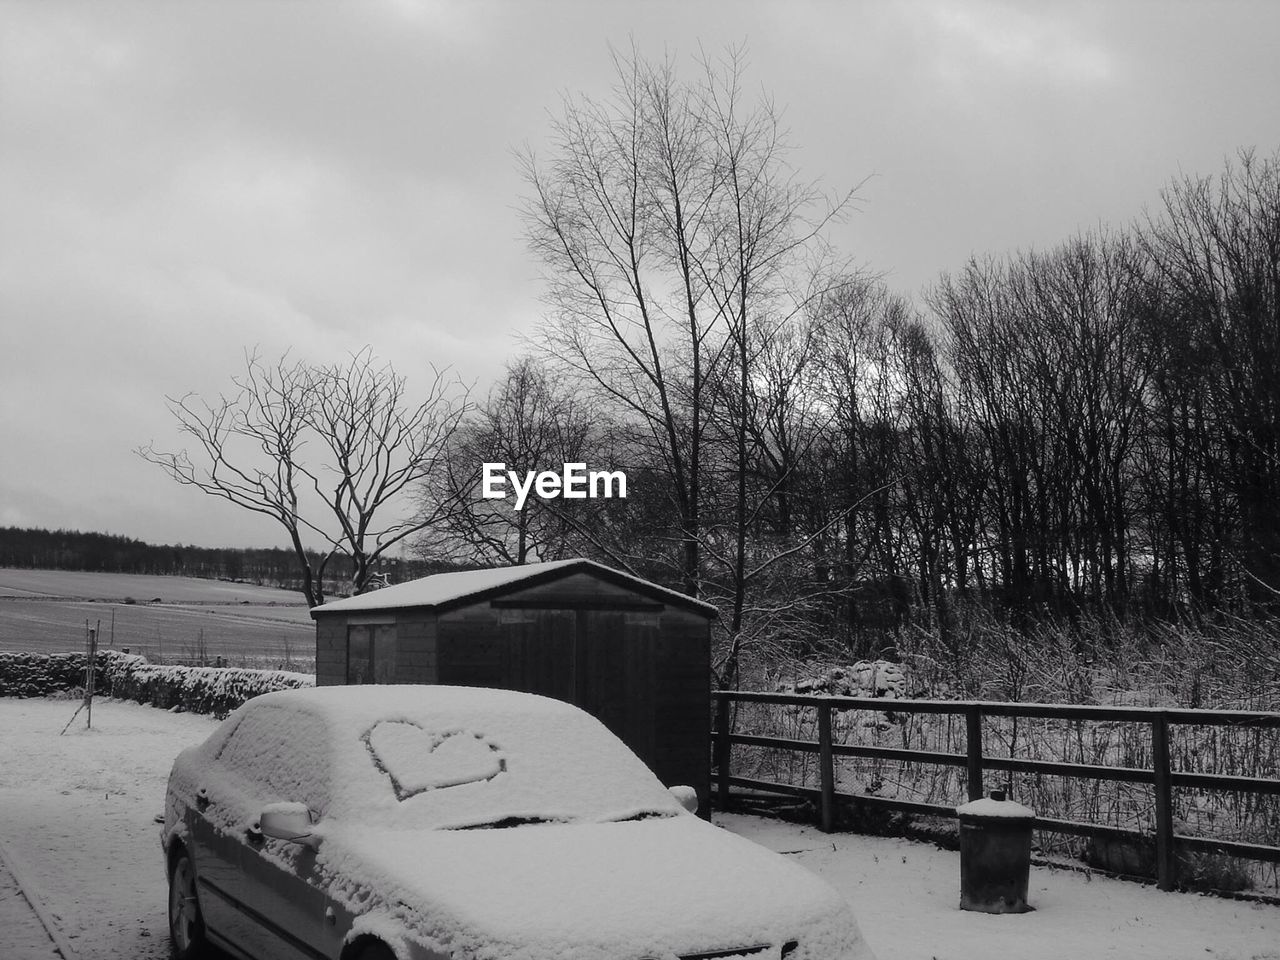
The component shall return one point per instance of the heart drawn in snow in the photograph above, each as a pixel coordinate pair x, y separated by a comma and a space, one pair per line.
417, 759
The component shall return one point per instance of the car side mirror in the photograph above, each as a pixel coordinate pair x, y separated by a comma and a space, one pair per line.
288, 821
687, 796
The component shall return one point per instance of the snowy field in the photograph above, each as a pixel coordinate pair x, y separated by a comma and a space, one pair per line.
114, 587
173, 617
76, 826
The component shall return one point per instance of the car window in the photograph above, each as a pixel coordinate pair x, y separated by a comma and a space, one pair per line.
280, 754
217, 741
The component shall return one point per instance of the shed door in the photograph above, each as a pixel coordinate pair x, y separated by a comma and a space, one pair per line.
540, 652
614, 663
600, 660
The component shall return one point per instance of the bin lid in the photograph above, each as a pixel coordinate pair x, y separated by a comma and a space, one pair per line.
986, 807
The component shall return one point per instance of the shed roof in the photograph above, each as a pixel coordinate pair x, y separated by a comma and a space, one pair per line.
446, 590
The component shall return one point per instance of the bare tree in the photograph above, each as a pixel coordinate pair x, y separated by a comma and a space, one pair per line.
330, 452
1217, 251
665, 218
677, 242
855, 379
621, 216
526, 423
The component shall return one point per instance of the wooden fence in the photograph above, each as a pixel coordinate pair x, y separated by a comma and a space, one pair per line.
1160, 776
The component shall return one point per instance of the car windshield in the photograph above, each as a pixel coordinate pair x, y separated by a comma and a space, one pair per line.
644, 815
506, 823
491, 768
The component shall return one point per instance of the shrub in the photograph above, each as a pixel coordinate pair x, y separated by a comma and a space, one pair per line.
43, 674
210, 690
215, 690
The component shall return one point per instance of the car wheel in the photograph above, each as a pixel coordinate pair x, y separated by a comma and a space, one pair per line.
375, 950
186, 924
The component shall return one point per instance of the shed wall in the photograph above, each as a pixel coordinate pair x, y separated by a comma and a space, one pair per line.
578, 590
645, 675
416, 656
415, 646
331, 651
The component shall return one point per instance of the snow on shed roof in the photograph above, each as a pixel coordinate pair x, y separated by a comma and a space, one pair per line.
468, 586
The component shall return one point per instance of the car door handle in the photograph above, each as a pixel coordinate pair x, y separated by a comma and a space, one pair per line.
202, 799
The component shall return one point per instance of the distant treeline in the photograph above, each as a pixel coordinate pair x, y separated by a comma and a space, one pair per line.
36, 548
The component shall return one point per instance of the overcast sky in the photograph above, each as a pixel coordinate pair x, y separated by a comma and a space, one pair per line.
182, 180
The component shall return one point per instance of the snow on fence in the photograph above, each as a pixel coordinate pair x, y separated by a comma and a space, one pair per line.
212, 690
1169, 845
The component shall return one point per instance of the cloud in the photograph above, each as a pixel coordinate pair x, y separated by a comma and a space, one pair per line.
180, 181
1004, 42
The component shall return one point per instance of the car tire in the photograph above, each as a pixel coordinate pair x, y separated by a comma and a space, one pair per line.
375, 950
186, 923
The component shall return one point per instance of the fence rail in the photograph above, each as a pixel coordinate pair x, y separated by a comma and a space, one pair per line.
1159, 776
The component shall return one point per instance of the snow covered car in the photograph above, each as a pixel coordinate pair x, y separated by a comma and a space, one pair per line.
432, 822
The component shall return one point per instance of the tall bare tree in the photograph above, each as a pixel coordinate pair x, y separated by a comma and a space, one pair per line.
333, 453
1217, 249
673, 235
527, 423
665, 218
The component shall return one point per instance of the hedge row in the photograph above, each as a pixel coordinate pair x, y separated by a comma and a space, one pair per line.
215, 690
40, 674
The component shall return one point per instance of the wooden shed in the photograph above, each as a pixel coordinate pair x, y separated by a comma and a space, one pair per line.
634, 654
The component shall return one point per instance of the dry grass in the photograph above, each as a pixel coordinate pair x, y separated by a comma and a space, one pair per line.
1231, 664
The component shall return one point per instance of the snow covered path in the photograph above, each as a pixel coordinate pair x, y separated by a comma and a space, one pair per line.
76, 813
22, 932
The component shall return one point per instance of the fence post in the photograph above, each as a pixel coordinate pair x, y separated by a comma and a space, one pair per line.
1166, 864
826, 768
722, 750
90, 673
973, 749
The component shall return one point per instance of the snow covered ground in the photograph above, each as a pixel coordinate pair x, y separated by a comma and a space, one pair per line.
76, 819
76, 825
907, 895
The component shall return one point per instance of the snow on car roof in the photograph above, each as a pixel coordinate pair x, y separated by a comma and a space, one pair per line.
428, 756
448, 588
363, 702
